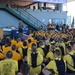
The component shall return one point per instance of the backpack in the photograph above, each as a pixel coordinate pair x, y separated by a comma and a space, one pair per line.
60, 67
45, 50
24, 50
34, 59
62, 50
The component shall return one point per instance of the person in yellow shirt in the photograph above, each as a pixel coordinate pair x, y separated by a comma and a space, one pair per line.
13, 41
64, 43
41, 48
51, 27
47, 45
24, 51
8, 66
33, 60
69, 58
29, 43
52, 42
7, 47
73, 46
61, 48
19, 44
57, 66
16, 56
2, 56
50, 55
41, 27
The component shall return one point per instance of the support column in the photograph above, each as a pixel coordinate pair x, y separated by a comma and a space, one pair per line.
39, 5
59, 7
44, 6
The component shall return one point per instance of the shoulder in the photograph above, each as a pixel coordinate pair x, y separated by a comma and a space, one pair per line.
66, 57
52, 62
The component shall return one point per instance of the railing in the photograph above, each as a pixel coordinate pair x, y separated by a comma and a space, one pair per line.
30, 18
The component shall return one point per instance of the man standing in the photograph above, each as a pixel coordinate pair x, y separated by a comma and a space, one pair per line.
21, 26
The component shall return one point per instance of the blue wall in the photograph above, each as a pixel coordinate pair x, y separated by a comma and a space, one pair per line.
45, 15
7, 19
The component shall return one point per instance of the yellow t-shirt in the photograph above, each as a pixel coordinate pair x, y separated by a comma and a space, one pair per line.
19, 44
1, 56
29, 45
41, 51
69, 60
21, 52
6, 49
52, 65
13, 42
8, 67
16, 56
50, 55
73, 51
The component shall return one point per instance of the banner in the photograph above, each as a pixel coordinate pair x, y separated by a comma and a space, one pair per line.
52, 1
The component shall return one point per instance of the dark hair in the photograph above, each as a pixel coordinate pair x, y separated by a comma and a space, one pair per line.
25, 69
9, 54
24, 43
51, 39
33, 44
29, 41
14, 47
65, 39
8, 43
72, 43
34, 47
69, 47
40, 43
57, 52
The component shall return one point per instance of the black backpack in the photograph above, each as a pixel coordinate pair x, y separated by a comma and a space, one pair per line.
34, 59
45, 50
60, 67
24, 50
62, 50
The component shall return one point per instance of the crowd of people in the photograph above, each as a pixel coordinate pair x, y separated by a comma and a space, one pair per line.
50, 52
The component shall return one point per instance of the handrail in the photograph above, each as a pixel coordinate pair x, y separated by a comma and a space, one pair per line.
32, 18
26, 16
35, 18
29, 15
17, 15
